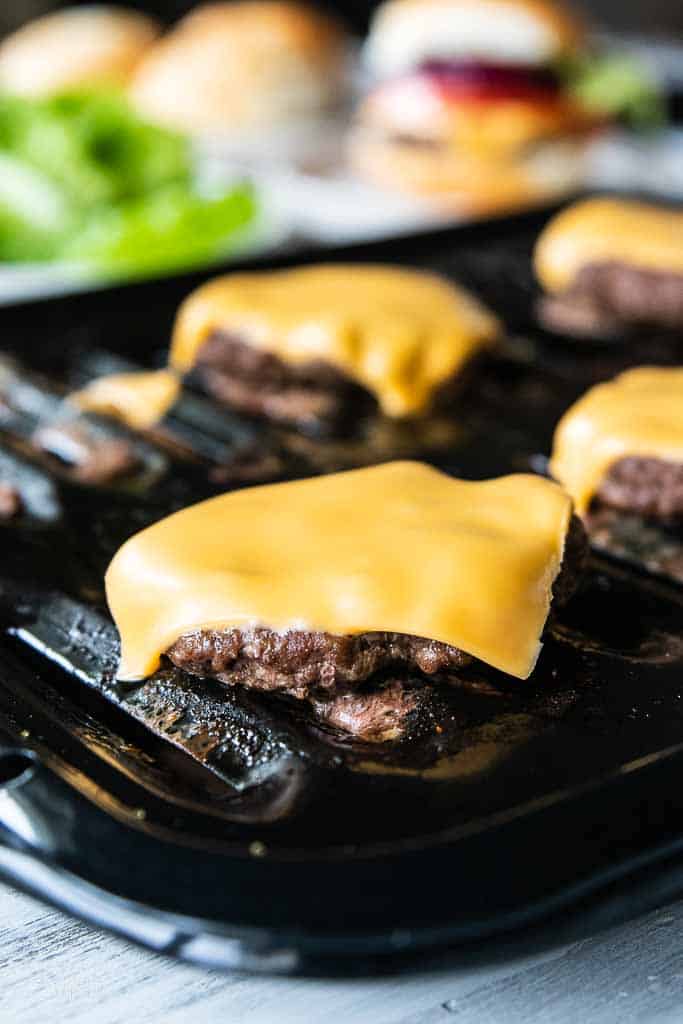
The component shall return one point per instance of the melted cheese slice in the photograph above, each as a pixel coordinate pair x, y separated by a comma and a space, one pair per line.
638, 413
139, 399
399, 547
399, 333
609, 230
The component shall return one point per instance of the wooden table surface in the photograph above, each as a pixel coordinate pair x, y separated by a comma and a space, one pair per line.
54, 969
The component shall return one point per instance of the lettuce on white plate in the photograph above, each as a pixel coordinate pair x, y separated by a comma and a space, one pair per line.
84, 180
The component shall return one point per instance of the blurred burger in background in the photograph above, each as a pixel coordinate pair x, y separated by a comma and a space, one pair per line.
92, 45
482, 104
128, 150
237, 68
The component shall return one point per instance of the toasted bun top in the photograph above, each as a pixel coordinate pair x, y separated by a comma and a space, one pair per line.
242, 64
79, 45
405, 33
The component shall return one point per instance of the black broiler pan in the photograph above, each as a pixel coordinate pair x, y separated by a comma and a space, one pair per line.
231, 828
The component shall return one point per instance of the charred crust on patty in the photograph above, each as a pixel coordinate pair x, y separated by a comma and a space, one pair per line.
573, 563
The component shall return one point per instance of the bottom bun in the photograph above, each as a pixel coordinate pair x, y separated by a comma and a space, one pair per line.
459, 182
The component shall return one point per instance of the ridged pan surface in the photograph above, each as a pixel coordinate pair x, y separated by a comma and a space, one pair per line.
226, 772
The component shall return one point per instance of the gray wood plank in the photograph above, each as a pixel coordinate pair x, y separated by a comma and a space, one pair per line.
52, 968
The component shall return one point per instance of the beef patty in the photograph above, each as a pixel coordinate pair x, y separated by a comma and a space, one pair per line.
259, 383
647, 486
321, 667
310, 395
305, 663
604, 296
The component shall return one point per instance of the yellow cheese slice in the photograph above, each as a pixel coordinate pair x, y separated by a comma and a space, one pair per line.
400, 333
638, 413
609, 230
138, 399
399, 547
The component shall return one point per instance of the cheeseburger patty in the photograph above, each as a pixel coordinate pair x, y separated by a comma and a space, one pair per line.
10, 501
608, 294
259, 383
312, 394
647, 486
319, 666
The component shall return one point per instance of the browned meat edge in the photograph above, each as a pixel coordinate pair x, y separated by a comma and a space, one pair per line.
647, 543
647, 486
377, 715
310, 394
318, 666
604, 296
307, 664
261, 384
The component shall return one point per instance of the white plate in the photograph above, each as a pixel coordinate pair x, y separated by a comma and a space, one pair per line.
22, 282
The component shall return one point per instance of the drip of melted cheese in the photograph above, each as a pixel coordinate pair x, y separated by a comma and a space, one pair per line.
399, 333
139, 399
638, 413
399, 547
608, 230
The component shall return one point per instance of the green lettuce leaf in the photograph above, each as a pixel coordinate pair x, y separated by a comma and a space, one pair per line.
82, 177
617, 86
170, 229
35, 214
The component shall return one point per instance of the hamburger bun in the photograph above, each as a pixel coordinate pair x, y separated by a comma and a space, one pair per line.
93, 45
405, 33
238, 67
469, 109
418, 106
472, 154
461, 184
